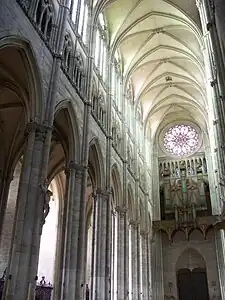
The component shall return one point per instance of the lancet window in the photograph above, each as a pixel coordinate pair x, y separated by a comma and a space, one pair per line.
44, 18
116, 83
79, 16
101, 46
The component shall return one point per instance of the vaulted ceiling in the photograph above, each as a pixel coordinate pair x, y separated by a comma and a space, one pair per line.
161, 44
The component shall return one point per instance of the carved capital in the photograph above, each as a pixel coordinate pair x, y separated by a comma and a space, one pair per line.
121, 211
134, 223
144, 233
40, 130
102, 193
77, 168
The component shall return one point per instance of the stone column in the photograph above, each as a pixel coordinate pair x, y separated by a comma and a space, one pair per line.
122, 251
100, 255
60, 253
149, 267
220, 252
144, 264
4, 192
207, 16
157, 268
134, 259
73, 249
19, 284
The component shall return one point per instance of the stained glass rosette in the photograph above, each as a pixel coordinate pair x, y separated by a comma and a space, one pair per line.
181, 140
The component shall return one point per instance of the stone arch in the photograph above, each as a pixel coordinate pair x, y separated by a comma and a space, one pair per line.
35, 108
190, 258
73, 144
21, 103
96, 163
116, 186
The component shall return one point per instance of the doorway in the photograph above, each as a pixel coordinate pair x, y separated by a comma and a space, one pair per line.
192, 284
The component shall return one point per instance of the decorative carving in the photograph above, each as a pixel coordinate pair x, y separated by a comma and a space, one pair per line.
39, 129
121, 211
202, 223
47, 198
134, 223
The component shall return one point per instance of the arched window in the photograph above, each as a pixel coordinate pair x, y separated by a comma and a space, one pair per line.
101, 47
79, 72
116, 83
83, 21
44, 18
80, 15
73, 11
67, 52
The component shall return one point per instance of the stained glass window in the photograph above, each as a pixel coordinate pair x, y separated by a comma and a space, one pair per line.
181, 140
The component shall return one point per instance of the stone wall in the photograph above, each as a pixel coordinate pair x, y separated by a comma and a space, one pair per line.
197, 247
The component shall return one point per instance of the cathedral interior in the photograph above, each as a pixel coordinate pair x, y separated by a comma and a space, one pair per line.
112, 168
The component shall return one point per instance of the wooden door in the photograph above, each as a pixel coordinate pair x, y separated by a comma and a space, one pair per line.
192, 285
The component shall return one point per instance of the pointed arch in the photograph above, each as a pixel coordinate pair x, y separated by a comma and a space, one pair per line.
96, 164
34, 105
190, 257
71, 142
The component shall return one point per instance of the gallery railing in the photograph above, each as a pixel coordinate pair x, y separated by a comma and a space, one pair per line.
43, 290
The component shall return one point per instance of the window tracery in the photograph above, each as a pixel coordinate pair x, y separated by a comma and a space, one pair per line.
181, 140
101, 46
44, 18
79, 16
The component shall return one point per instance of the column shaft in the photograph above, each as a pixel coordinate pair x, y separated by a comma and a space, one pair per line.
220, 251
144, 266
19, 283
157, 269
122, 246
100, 292
134, 259
73, 249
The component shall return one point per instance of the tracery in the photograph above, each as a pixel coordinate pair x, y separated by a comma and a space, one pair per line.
181, 140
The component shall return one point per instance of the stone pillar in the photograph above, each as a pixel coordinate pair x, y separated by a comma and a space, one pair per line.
144, 264
19, 283
73, 249
149, 267
122, 247
207, 16
157, 268
220, 252
60, 253
134, 259
100, 254
4, 192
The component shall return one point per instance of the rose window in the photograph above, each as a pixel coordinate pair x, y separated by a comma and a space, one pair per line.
181, 140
